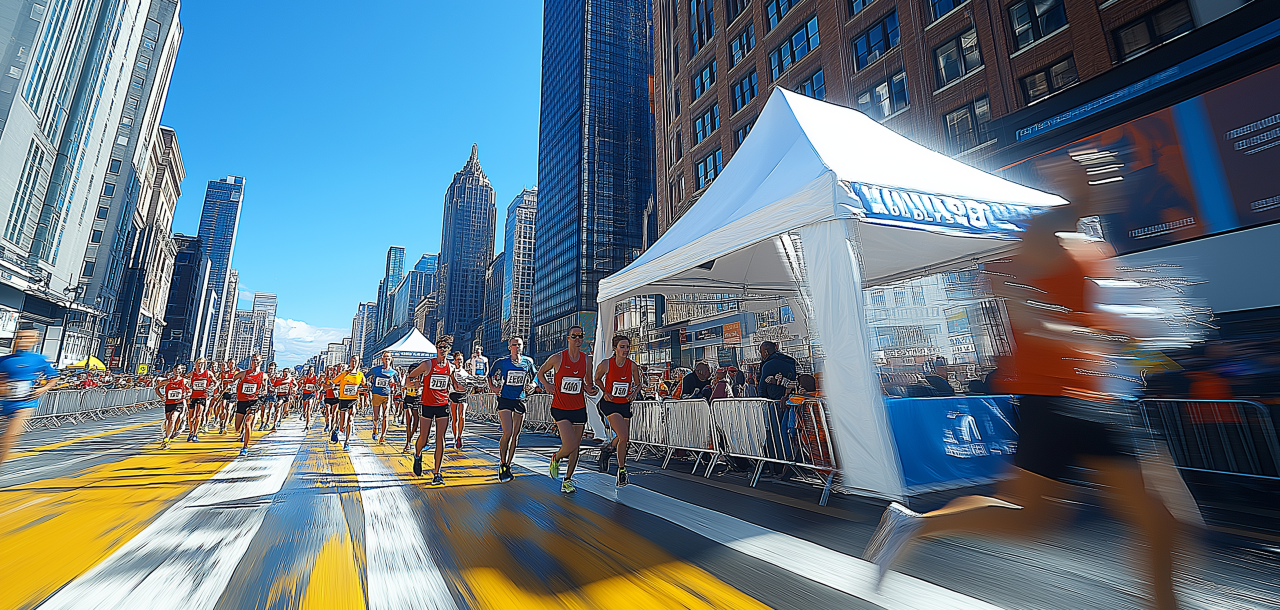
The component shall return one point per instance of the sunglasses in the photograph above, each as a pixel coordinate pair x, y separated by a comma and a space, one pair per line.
576, 336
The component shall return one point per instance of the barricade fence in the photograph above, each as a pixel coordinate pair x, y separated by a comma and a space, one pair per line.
58, 407
1237, 437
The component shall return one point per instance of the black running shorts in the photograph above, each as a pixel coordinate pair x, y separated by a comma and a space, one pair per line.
344, 404
440, 412
1055, 431
457, 397
171, 408
330, 401
511, 404
198, 402
228, 395
621, 408
243, 407
573, 416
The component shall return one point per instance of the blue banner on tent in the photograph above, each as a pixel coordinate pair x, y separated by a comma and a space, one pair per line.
952, 439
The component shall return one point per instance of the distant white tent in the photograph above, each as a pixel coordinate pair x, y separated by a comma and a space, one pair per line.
819, 202
411, 348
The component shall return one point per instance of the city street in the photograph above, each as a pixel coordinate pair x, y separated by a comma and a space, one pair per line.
95, 515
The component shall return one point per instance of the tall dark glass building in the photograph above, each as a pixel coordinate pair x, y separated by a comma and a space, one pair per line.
391, 277
595, 157
218, 222
185, 317
466, 248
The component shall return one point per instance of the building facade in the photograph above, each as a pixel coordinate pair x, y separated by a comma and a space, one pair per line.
466, 248
366, 315
595, 157
493, 340
393, 272
518, 243
219, 221
264, 319
404, 300
184, 318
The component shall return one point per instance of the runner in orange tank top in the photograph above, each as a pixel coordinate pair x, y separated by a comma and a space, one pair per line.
619, 378
568, 405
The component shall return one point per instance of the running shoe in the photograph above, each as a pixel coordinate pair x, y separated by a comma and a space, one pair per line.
622, 477
417, 465
346, 443
555, 469
457, 444
504, 472
191, 438
898, 526
603, 463
274, 426
326, 427
222, 429
333, 438
164, 443
437, 479
567, 487
194, 439
244, 452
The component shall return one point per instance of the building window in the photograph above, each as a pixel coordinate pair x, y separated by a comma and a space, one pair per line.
703, 79
814, 86
1153, 29
733, 8
708, 168
95, 237
776, 10
794, 49
88, 269
744, 91
677, 146
885, 98
969, 125
959, 56
742, 45
942, 7
856, 6
108, 189
677, 105
740, 134
1060, 75
675, 52
114, 166
702, 25
706, 124
1035, 19
876, 41
103, 211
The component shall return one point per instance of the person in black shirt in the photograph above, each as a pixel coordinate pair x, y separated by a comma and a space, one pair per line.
775, 367
697, 383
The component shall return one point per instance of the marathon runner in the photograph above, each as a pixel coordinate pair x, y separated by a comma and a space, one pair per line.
511, 380
347, 386
569, 370
330, 397
410, 403
267, 397
21, 377
619, 377
283, 389
202, 380
459, 385
174, 390
384, 381
228, 389
248, 384
309, 384
435, 405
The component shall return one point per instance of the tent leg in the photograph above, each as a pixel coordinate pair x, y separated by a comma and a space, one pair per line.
826, 489
667, 460
755, 476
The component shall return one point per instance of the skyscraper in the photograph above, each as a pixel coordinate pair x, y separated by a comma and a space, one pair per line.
466, 248
184, 317
218, 223
366, 314
392, 274
495, 278
517, 284
595, 157
264, 318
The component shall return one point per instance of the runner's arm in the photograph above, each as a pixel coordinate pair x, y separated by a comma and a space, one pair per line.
602, 370
547, 365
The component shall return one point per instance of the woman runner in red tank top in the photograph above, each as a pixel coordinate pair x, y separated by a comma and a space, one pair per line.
619, 378
248, 384
568, 403
437, 377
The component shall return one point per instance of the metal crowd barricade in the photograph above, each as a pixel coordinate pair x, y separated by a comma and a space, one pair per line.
763, 431
647, 430
537, 415
58, 407
483, 407
688, 427
1222, 436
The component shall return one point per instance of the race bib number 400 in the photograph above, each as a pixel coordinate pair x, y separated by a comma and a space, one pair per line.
349, 389
382, 382
620, 389
175, 394
248, 388
200, 385
516, 378
571, 385
439, 382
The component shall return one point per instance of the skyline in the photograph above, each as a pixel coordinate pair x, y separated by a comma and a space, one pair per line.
415, 158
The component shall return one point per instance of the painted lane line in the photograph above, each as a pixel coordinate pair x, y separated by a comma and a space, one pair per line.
823, 565
401, 573
20, 474
186, 557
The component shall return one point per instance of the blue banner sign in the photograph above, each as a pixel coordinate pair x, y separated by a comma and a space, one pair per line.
954, 440
941, 214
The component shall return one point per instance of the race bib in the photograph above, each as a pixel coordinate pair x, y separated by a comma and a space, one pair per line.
175, 395
620, 389
16, 390
570, 385
349, 389
284, 389
248, 388
382, 382
311, 387
439, 382
516, 378
480, 370
200, 385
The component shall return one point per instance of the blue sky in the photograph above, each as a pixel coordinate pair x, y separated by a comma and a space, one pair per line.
348, 122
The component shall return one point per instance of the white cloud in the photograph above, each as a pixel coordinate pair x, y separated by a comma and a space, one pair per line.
296, 341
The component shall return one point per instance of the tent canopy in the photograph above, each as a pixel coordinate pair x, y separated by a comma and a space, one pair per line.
91, 363
411, 346
808, 161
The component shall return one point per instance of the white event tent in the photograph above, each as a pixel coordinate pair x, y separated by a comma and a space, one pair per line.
410, 349
819, 202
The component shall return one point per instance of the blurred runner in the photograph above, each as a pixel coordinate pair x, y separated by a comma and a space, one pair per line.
202, 381
409, 404
383, 381
511, 380
174, 390
569, 370
309, 385
21, 377
458, 387
267, 412
1062, 360
248, 383
347, 386
228, 389
435, 405
619, 377
330, 401
282, 387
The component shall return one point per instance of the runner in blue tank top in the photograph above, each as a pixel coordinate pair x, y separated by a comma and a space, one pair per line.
511, 380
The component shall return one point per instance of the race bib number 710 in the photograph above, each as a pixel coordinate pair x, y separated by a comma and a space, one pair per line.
439, 382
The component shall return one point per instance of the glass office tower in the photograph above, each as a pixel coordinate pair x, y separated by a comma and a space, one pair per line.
466, 248
218, 222
595, 157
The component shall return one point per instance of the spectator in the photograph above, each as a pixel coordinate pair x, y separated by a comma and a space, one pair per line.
775, 369
723, 387
697, 384
749, 387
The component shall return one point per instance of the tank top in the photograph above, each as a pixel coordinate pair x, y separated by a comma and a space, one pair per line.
618, 381
309, 384
569, 382
174, 390
435, 387
249, 387
282, 385
200, 384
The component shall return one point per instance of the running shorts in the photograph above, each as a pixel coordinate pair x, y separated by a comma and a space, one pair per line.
1055, 431
243, 407
268, 398
573, 416
410, 402
440, 412
170, 408
228, 395
308, 396
457, 397
511, 404
621, 408
345, 403
378, 400
198, 402
330, 401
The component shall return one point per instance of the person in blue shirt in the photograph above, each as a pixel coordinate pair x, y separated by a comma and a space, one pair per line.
21, 374
382, 379
512, 379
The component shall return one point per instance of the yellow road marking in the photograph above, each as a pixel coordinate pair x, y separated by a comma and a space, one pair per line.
86, 437
334, 581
